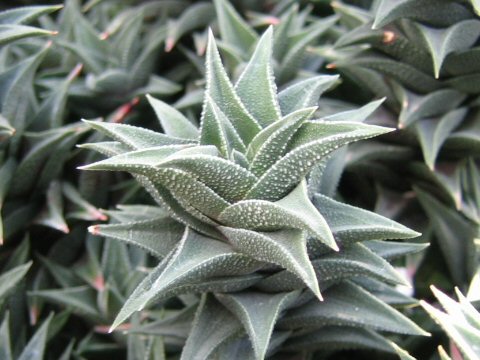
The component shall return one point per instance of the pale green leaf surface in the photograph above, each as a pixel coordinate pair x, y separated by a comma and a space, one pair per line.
393, 249
256, 85
305, 93
432, 133
135, 137
356, 115
52, 215
357, 224
25, 14
294, 211
108, 148
157, 236
195, 258
286, 248
35, 348
349, 305
9, 279
274, 147
332, 337
402, 354
258, 313
10, 33
5, 348
289, 170
233, 28
213, 325
173, 122
221, 90
442, 42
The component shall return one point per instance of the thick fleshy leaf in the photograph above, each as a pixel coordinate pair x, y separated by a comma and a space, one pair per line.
256, 85
357, 224
454, 234
402, 354
442, 42
432, 133
195, 258
234, 30
293, 211
216, 129
393, 249
286, 248
135, 137
431, 11
52, 215
258, 313
338, 338
25, 14
195, 16
5, 348
356, 115
213, 325
6, 174
349, 305
81, 299
157, 236
225, 178
173, 122
274, 147
35, 348
221, 90
316, 141
305, 93
10, 33
466, 336
9, 279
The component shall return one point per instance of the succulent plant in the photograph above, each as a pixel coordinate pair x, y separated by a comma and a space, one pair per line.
257, 232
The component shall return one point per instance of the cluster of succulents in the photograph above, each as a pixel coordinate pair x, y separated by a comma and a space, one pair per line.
264, 173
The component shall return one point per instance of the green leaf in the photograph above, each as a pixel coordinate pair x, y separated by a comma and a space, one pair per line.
216, 129
6, 175
9, 279
220, 89
6, 129
173, 122
145, 234
392, 249
454, 235
195, 16
10, 33
26, 14
305, 93
357, 224
258, 313
356, 115
81, 299
195, 258
227, 179
442, 42
52, 215
286, 248
435, 13
333, 338
312, 144
432, 133
416, 107
402, 354
5, 348
135, 137
35, 348
274, 147
234, 30
256, 85
349, 305
213, 325
293, 211
476, 6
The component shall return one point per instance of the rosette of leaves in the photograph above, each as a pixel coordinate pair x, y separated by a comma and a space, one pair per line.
274, 259
461, 322
421, 56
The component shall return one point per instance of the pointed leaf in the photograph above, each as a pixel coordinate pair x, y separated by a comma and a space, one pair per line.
220, 89
442, 42
195, 258
349, 305
173, 122
157, 236
286, 248
393, 249
305, 93
213, 325
258, 313
233, 28
35, 348
10, 33
5, 348
432, 133
256, 85
9, 279
26, 14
